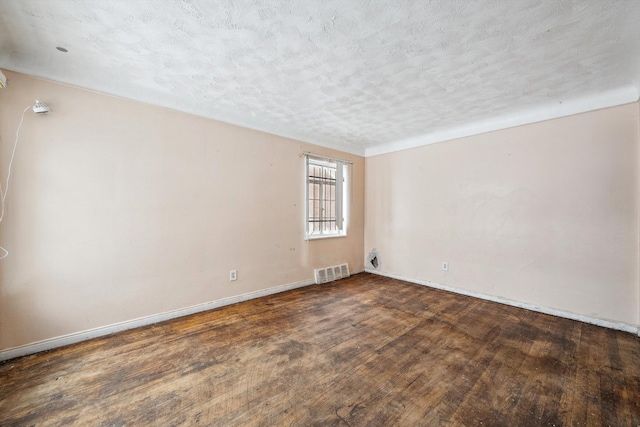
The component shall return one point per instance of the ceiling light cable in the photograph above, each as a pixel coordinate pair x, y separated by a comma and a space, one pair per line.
3, 193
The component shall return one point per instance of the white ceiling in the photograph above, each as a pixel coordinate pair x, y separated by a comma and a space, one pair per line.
363, 76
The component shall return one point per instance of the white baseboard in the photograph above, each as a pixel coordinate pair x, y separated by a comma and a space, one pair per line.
620, 326
76, 337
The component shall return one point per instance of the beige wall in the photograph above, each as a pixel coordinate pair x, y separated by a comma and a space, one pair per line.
545, 214
119, 210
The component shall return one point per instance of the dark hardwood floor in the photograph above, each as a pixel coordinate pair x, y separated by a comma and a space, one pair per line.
366, 350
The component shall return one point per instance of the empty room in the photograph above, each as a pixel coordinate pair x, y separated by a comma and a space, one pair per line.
320, 212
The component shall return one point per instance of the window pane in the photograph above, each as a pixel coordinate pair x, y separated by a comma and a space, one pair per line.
321, 198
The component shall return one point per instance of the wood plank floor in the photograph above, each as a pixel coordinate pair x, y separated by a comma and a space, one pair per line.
366, 350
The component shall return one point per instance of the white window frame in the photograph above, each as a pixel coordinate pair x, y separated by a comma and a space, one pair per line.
342, 202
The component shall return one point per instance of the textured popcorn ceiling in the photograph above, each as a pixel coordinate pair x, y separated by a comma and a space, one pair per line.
355, 75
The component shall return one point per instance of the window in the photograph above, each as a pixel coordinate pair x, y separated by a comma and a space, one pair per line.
326, 197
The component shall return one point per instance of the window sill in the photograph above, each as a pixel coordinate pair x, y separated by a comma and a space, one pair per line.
322, 237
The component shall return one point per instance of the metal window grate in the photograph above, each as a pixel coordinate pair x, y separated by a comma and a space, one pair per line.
326, 198
322, 198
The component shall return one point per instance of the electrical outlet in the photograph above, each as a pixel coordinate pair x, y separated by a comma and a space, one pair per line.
233, 275
445, 265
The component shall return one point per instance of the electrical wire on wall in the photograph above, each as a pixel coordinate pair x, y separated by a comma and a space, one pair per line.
3, 252
38, 108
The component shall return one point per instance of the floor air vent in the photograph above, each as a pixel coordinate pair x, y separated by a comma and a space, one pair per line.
329, 274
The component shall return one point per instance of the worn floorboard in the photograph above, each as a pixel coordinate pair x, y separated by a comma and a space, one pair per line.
366, 350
